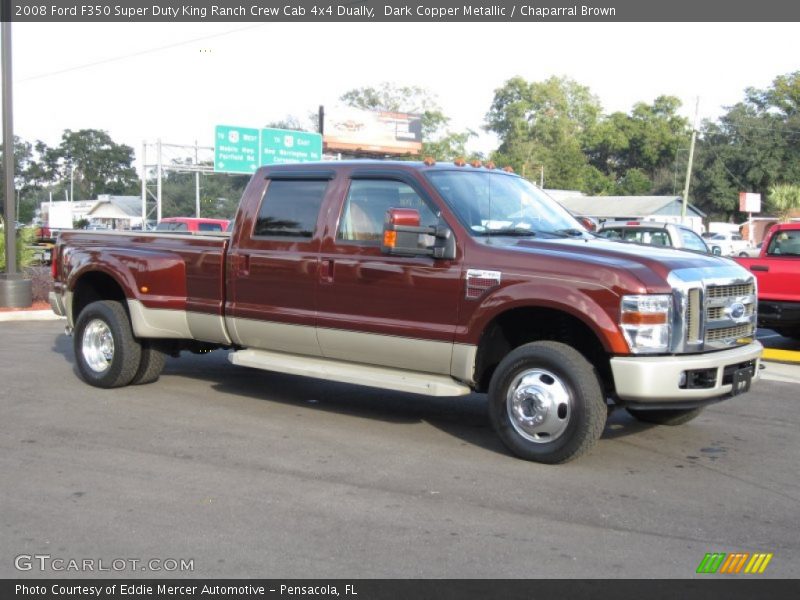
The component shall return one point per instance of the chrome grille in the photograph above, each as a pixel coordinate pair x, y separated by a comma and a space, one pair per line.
725, 291
729, 333
715, 313
693, 316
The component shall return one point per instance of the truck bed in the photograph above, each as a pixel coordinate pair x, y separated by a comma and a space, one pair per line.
174, 283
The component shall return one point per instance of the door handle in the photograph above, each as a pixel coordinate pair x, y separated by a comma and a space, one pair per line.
759, 268
326, 271
242, 265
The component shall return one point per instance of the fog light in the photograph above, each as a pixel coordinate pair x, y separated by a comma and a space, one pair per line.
682, 379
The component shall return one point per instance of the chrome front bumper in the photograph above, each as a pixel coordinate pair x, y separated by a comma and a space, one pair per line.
656, 379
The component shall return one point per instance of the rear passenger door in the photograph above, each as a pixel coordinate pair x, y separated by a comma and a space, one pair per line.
273, 266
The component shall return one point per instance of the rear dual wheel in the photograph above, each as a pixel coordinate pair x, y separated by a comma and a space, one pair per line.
107, 353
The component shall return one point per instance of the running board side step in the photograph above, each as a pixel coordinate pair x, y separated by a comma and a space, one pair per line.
346, 372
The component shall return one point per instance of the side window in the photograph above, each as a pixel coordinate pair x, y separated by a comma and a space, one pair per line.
659, 238
290, 208
786, 243
367, 202
692, 241
209, 227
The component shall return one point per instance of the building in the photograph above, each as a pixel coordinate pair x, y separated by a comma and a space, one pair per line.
117, 212
625, 208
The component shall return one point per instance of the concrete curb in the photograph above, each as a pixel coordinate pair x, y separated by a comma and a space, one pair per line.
29, 315
783, 356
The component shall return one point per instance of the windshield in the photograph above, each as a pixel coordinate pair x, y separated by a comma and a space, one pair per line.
489, 203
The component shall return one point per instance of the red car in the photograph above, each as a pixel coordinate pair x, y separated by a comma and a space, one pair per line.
190, 224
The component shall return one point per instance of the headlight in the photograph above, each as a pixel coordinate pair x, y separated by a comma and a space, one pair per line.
645, 322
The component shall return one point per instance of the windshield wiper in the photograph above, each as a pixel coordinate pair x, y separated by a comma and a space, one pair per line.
510, 232
568, 232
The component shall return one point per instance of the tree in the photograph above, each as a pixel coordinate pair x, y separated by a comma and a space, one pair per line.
785, 200
753, 147
100, 164
545, 124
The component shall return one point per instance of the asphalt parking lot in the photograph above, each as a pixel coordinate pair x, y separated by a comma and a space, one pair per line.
253, 474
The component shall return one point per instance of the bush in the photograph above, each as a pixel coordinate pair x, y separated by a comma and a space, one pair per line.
24, 251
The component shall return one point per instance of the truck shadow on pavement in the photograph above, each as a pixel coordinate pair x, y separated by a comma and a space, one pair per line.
463, 417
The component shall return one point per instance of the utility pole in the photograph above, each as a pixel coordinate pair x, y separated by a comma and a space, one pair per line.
144, 187
158, 183
196, 183
15, 291
691, 159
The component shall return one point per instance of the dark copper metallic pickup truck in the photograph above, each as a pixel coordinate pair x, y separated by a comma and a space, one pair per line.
432, 279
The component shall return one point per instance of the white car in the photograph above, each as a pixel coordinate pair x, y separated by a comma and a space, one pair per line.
730, 244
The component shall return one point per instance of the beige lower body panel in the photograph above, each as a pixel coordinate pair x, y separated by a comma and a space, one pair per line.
176, 324
655, 379
346, 372
404, 364
268, 335
386, 350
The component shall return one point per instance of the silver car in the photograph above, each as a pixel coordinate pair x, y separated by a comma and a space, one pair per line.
654, 233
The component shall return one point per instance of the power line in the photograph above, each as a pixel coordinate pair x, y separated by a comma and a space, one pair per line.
134, 54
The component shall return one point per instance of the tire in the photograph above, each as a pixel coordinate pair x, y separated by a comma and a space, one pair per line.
153, 361
546, 403
106, 352
677, 416
791, 332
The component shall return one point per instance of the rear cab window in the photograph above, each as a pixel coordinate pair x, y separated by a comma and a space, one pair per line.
290, 208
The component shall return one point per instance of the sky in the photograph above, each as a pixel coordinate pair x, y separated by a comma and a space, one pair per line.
176, 81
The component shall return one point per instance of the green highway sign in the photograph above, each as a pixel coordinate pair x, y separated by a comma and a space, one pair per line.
282, 146
236, 149
243, 149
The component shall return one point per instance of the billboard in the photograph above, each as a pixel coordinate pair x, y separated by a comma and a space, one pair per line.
353, 130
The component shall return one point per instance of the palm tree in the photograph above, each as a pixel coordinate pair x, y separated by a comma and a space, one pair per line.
785, 200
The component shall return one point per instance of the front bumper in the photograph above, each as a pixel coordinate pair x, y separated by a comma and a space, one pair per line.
655, 380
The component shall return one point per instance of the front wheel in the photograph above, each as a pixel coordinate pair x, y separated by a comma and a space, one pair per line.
674, 416
107, 354
546, 403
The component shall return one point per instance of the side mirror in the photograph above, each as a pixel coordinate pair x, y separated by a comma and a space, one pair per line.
716, 250
403, 236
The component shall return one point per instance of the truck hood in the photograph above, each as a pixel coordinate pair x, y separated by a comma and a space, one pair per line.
606, 261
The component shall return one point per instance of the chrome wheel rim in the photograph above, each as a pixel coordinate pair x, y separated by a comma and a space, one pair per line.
98, 346
539, 405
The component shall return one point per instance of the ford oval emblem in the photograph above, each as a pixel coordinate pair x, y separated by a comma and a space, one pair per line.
736, 310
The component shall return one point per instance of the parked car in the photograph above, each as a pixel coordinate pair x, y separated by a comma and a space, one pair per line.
729, 244
191, 224
425, 278
752, 252
653, 233
777, 269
